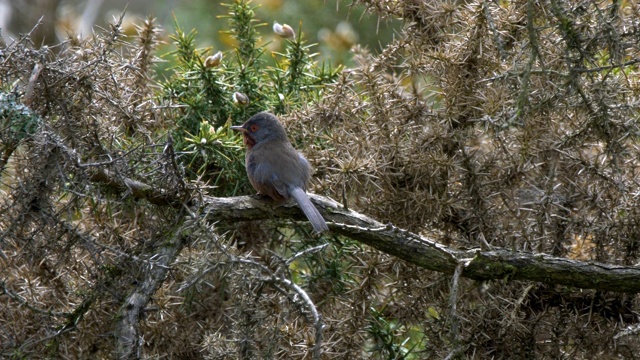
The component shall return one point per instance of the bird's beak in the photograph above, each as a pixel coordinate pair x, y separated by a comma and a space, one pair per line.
239, 128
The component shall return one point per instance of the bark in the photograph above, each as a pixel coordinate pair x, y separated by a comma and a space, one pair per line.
128, 339
427, 252
494, 264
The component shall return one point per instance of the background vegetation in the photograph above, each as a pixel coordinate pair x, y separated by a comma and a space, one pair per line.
481, 124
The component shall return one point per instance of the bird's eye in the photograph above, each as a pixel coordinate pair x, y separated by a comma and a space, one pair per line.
254, 128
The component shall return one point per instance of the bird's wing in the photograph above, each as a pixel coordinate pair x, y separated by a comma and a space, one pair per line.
279, 185
276, 169
266, 180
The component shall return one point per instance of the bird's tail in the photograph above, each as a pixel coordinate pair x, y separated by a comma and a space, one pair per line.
301, 198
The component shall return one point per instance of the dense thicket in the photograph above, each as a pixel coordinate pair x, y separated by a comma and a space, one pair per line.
483, 125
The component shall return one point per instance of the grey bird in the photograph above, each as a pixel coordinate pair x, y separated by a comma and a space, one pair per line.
275, 168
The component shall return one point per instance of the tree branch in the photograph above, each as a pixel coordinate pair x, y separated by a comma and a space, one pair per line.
127, 334
420, 250
138, 189
428, 253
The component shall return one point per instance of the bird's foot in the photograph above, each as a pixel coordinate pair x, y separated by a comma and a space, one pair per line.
260, 196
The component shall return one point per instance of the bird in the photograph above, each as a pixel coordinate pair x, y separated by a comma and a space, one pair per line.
275, 168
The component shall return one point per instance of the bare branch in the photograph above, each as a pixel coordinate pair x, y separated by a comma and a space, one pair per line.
423, 251
426, 252
127, 330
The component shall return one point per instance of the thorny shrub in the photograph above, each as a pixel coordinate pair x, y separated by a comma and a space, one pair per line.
514, 122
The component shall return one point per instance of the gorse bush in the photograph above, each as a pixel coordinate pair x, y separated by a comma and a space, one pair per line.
211, 89
490, 127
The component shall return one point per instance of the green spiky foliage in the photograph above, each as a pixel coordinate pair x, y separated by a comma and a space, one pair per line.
17, 122
205, 95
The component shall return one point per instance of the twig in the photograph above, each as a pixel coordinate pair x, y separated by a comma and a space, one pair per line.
453, 301
305, 252
494, 31
630, 330
310, 306
317, 318
25, 302
31, 86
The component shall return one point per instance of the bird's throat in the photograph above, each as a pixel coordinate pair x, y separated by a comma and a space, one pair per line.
248, 141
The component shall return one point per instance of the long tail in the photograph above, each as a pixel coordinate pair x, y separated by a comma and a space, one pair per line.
301, 198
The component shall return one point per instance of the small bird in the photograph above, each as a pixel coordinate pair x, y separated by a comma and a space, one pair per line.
275, 168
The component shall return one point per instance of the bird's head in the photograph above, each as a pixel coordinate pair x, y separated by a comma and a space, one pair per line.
261, 127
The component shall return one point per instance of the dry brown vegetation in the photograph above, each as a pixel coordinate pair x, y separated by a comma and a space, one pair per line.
510, 125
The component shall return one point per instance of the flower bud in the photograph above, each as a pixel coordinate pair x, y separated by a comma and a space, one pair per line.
213, 60
240, 98
285, 31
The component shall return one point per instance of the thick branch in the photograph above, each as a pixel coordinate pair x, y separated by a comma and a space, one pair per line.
429, 254
127, 334
420, 250
138, 189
